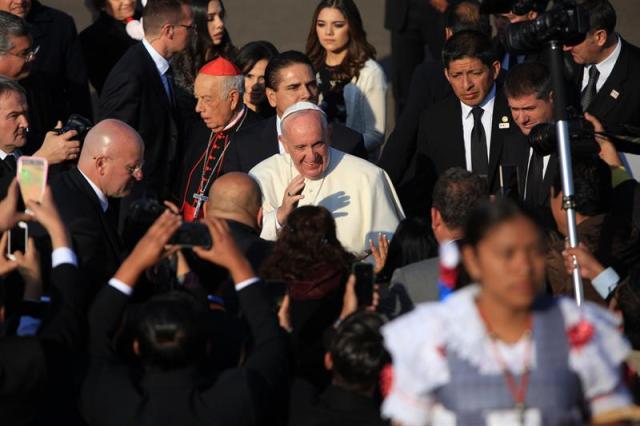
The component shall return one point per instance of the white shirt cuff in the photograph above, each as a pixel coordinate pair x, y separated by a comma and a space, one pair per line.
120, 286
63, 255
246, 283
605, 282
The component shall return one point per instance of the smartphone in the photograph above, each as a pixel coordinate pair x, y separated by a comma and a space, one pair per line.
17, 239
32, 177
364, 282
192, 234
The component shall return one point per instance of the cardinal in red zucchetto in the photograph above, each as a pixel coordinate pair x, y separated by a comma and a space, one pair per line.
218, 90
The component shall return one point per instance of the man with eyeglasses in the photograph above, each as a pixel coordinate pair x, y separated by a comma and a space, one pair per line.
140, 91
60, 61
110, 164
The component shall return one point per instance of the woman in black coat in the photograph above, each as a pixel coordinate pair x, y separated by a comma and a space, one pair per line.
106, 40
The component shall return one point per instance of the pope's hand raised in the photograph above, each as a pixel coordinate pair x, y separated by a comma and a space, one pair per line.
292, 194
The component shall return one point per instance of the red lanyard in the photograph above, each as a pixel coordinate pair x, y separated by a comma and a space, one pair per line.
518, 391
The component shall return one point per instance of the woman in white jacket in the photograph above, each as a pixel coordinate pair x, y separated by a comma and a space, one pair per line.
352, 84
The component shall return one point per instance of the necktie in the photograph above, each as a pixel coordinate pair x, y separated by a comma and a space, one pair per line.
168, 74
479, 157
10, 161
532, 193
590, 92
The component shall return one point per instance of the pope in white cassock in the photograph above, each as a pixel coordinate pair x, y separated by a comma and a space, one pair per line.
358, 194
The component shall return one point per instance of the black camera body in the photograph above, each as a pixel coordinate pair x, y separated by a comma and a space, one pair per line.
80, 124
544, 141
566, 23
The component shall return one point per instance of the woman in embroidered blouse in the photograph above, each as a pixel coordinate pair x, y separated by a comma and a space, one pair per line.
352, 84
500, 352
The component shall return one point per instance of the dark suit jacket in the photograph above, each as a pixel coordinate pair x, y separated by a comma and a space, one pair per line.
7, 173
60, 59
428, 85
618, 101
239, 396
31, 367
260, 141
103, 44
395, 14
94, 236
441, 146
134, 93
335, 406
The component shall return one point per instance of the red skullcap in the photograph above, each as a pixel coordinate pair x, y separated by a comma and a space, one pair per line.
220, 67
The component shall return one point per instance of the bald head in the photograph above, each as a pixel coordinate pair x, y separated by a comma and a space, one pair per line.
112, 157
235, 196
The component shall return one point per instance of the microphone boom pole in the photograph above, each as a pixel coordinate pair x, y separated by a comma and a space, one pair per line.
564, 149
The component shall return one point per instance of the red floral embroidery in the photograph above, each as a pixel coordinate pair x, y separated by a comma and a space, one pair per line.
580, 334
386, 380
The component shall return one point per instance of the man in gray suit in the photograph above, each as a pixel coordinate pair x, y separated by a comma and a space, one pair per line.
455, 194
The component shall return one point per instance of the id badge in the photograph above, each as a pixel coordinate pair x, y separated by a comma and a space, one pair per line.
528, 417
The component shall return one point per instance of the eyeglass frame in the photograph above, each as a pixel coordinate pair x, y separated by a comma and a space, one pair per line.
27, 56
192, 27
132, 170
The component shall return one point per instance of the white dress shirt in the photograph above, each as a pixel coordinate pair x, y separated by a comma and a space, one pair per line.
604, 68
4, 155
104, 202
161, 64
487, 120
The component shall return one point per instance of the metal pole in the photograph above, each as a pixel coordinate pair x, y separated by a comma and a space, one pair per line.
564, 149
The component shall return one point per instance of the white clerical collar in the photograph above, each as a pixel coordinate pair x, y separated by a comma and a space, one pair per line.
606, 66
236, 119
104, 203
161, 63
486, 104
15, 153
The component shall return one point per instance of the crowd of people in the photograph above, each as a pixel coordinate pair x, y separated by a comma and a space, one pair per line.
240, 239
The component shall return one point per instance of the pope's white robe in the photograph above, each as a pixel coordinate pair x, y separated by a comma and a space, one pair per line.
358, 194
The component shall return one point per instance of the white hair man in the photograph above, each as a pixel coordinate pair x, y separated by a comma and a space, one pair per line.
358, 194
218, 90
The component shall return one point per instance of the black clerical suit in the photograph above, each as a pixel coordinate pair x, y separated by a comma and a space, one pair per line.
93, 231
103, 44
260, 141
441, 146
428, 85
238, 396
135, 94
60, 59
618, 101
415, 27
31, 367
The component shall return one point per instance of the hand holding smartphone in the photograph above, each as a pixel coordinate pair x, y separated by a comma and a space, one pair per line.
17, 240
32, 177
364, 282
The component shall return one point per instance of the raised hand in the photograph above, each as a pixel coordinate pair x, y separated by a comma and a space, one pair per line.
9, 215
379, 252
292, 195
589, 265
46, 213
59, 148
224, 251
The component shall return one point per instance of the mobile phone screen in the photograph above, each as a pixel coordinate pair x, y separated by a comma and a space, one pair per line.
364, 283
17, 240
32, 177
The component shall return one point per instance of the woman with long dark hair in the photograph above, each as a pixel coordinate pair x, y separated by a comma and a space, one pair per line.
501, 351
312, 263
252, 59
211, 41
352, 84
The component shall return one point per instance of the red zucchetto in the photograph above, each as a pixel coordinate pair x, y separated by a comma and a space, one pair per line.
219, 67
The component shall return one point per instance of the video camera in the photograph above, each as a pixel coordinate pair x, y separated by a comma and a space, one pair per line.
566, 22
544, 138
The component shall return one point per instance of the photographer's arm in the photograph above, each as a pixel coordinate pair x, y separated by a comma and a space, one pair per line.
58, 148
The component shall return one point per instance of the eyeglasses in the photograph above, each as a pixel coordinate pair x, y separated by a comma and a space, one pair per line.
27, 55
131, 169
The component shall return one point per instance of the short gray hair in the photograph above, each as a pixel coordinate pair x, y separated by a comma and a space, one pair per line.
8, 86
232, 82
11, 26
